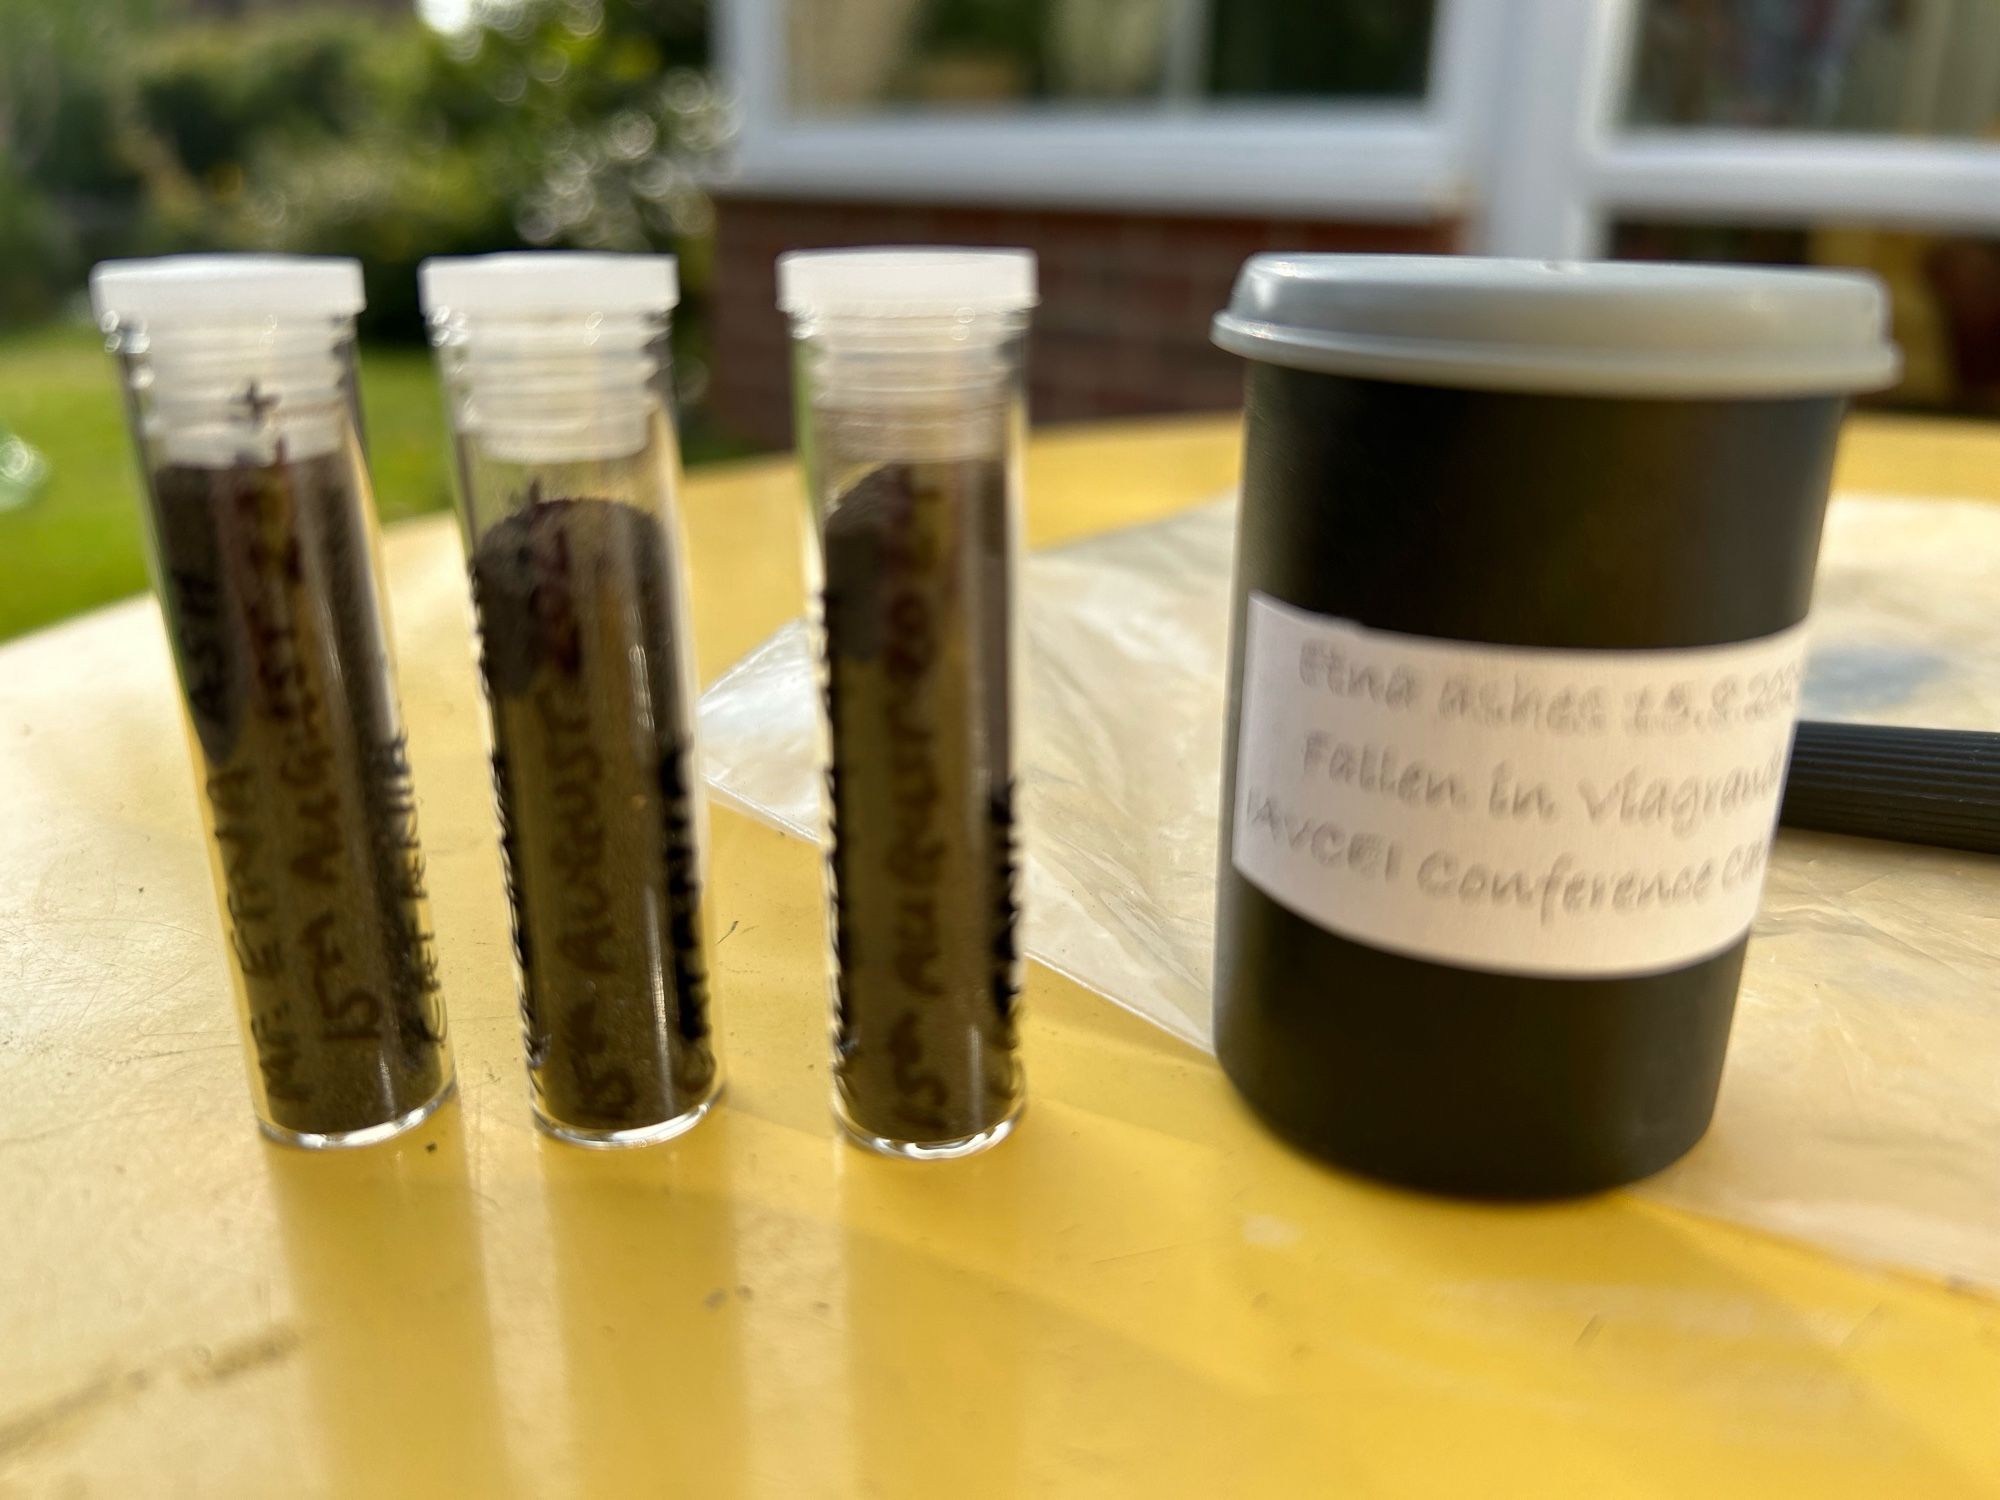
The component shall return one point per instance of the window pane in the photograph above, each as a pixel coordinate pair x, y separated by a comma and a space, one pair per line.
1359, 49
858, 56
1888, 67
1944, 294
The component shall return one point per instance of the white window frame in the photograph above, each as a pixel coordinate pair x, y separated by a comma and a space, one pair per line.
1389, 163
1570, 171
1518, 138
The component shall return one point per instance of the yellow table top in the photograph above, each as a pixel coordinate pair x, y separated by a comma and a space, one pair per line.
1140, 1294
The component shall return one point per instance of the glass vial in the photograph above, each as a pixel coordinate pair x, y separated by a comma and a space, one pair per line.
907, 371
557, 372
240, 386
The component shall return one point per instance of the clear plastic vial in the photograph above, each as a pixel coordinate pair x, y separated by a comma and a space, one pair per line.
558, 374
240, 384
907, 365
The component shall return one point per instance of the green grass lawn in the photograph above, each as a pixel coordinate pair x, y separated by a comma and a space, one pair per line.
77, 543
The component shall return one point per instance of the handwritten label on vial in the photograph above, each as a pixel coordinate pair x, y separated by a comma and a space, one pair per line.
1506, 808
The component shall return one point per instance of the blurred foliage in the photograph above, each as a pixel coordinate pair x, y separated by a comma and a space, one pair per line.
213, 94
37, 249
137, 127
134, 126
68, 188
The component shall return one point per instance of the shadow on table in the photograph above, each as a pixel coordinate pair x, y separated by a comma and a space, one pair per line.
1043, 1319
651, 1307
999, 1341
383, 1249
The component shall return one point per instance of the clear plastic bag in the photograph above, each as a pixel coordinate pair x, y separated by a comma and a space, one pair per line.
1861, 1108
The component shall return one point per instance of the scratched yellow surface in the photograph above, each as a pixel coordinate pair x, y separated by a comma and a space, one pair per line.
1140, 1294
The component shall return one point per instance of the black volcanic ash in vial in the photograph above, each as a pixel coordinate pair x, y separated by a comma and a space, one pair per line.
592, 766
268, 586
922, 858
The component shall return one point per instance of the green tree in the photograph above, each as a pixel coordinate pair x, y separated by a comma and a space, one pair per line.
554, 122
68, 190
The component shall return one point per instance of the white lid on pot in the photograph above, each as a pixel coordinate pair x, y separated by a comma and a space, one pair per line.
1612, 328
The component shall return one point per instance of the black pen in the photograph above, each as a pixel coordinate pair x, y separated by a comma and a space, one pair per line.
1917, 786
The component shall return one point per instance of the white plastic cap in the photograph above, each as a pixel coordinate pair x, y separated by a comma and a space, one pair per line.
535, 282
225, 288
903, 283
1586, 328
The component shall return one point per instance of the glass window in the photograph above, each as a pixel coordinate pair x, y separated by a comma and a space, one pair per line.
1886, 67
1944, 294
860, 56
1360, 49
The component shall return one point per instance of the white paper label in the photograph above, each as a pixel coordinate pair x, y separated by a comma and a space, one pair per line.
1507, 808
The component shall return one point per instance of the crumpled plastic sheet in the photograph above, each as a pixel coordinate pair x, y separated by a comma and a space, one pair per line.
1861, 1106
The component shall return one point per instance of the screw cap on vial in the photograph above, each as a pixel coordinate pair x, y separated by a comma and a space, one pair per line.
885, 282
175, 289
238, 354
547, 282
551, 355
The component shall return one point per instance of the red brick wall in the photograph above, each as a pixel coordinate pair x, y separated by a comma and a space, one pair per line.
1122, 329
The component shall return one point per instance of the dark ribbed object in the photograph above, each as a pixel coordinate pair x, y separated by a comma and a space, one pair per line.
1918, 786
